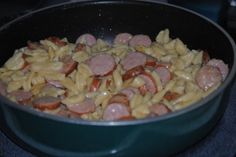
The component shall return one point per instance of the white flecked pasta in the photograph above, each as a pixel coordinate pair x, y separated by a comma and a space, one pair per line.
117, 79
74, 99
16, 62
180, 47
157, 80
163, 36
158, 97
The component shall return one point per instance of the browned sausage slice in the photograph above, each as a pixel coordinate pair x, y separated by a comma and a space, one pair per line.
63, 111
57, 41
224, 70
116, 111
33, 45
119, 98
171, 95
133, 72
163, 64
69, 65
26, 68
140, 39
86, 106
122, 38
95, 84
87, 39
129, 92
102, 64
207, 77
79, 47
46, 102
21, 96
159, 109
133, 59
151, 61
205, 57
150, 84
164, 74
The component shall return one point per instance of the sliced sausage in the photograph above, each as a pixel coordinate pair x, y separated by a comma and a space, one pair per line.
150, 84
133, 72
79, 47
122, 38
26, 69
208, 76
26, 66
205, 57
130, 117
108, 83
140, 39
143, 89
21, 96
95, 84
116, 111
133, 59
87, 39
87, 106
33, 45
159, 109
57, 41
163, 64
46, 102
224, 70
63, 111
55, 83
129, 92
119, 98
102, 64
111, 72
171, 95
69, 65
151, 61
164, 74
3, 87
74, 115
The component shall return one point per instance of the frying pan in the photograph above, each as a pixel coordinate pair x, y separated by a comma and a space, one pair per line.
159, 136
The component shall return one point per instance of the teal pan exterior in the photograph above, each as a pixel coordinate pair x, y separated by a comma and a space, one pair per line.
157, 138
48, 135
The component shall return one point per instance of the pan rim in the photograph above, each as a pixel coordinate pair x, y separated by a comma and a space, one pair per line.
190, 108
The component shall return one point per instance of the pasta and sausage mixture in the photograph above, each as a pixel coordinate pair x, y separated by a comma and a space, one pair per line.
91, 79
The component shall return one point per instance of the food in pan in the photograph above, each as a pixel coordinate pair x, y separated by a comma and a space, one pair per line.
131, 78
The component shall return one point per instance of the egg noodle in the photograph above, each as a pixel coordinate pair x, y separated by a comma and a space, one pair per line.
37, 68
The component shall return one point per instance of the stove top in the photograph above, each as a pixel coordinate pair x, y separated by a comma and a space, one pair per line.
221, 142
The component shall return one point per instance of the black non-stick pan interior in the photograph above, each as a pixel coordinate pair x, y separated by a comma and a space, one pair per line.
105, 21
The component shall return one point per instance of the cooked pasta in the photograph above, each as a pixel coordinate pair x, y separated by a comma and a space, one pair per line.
95, 80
